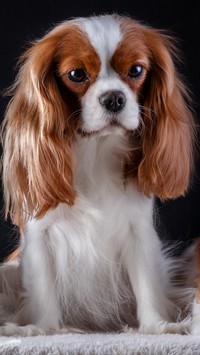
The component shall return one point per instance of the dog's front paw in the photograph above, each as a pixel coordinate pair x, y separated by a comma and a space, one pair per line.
162, 327
12, 329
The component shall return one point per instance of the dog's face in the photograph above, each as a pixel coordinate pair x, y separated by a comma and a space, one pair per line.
105, 67
89, 76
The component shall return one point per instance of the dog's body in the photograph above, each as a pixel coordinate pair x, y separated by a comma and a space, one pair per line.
92, 259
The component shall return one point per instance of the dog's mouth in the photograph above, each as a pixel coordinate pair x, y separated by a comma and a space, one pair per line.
113, 127
114, 123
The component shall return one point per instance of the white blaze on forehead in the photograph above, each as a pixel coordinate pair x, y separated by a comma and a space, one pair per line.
104, 34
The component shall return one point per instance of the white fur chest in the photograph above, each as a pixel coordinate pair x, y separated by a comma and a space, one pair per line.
99, 179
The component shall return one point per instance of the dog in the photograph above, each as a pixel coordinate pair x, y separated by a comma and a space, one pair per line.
98, 125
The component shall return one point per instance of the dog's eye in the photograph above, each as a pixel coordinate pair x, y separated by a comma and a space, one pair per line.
78, 75
135, 72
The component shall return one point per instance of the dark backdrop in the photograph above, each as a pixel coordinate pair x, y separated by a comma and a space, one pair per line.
24, 21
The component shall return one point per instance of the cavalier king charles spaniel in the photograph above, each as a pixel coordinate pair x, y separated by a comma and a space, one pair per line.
97, 126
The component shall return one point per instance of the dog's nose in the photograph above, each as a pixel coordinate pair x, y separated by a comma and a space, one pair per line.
113, 101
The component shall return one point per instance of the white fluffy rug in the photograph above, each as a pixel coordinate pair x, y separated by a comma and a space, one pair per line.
104, 344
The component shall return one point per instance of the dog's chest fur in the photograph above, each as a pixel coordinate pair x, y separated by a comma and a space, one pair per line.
103, 218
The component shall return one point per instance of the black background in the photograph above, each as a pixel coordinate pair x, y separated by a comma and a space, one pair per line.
24, 21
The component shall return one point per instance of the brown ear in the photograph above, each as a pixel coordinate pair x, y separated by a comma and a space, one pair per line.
38, 166
167, 134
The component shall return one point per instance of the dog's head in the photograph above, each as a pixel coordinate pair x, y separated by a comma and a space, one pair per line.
98, 75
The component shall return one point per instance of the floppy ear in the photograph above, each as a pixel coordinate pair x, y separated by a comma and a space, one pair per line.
37, 166
167, 132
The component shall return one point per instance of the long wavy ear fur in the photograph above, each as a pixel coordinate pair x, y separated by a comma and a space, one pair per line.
168, 131
37, 162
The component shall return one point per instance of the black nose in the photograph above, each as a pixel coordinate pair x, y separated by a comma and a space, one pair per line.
113, 101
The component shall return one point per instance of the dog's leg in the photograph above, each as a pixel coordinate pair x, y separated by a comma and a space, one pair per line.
147, 269
39, 310
50, 247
